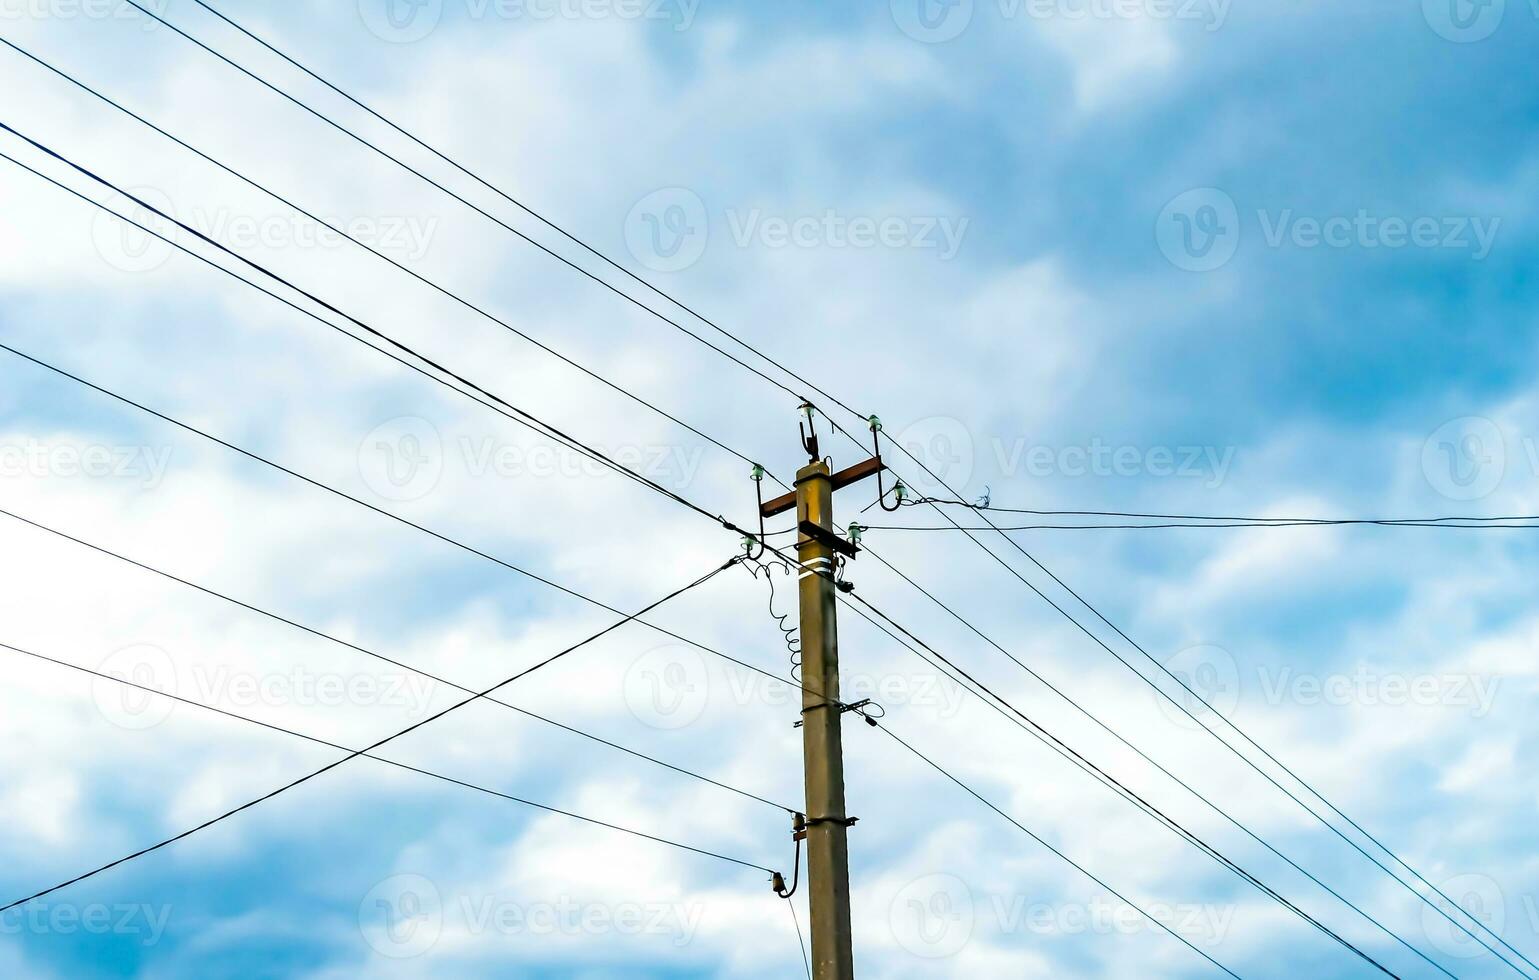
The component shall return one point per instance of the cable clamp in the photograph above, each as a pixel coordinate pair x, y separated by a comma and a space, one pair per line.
859, 707
845, 822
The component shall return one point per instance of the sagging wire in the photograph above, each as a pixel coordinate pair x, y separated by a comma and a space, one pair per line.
790, 633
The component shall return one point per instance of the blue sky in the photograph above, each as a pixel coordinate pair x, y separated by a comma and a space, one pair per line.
1203, 258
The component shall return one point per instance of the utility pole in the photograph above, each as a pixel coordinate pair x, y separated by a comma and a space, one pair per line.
828, 822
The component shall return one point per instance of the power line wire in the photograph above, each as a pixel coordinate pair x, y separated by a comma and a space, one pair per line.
801, 943
486, 214
1034, 728
1011, 713
1060, 854
380, 254
391, 762
437, 535
1194, 517
521, 206
1222, 741
788, 390
539, 425
321, 634
324, 304
1155, 527
353, 754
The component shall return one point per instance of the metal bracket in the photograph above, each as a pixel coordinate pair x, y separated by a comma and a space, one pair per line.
845, 822
824, 536
843, 708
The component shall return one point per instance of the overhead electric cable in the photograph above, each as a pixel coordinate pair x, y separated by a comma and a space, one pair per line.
391, 762
1060, 854
439, 536
382, 255
353, 754
848, 408
1195, 517
1221, 740
474, 207
1156, 527
543, 427
967, 682
321, 634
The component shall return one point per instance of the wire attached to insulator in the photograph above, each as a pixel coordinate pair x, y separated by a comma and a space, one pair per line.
748, 540
899, 490
809, 433
798, 834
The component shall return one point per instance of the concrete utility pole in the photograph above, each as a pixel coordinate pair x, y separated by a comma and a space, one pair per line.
828, 823
828, 849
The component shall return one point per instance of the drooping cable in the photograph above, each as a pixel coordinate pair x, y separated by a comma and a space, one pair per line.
1222, 741
377, 758
353, 754
321, 634
406, 522
967, 682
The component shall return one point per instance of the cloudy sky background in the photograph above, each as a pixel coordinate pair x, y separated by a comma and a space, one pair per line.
1106, 277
